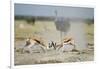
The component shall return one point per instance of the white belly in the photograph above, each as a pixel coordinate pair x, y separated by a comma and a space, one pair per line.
67, 47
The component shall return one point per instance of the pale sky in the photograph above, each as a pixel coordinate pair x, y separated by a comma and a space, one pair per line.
47, 10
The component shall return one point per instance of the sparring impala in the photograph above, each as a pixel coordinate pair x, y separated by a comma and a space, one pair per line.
66, 42
35, 41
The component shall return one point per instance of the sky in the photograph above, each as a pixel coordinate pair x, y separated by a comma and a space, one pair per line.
47, 10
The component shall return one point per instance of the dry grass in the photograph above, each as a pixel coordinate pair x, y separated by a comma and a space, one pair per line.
51, 56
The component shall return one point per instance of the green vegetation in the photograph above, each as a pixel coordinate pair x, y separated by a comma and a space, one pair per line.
28, 19
89, 21
89, 28
24, 29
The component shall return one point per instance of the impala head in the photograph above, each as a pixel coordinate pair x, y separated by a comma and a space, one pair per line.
52, 44
27, 42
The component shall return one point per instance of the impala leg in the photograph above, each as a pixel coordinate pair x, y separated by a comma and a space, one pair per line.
42, 49
59, 47
29, 48
73, 44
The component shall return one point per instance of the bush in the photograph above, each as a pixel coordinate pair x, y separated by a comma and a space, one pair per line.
30, 21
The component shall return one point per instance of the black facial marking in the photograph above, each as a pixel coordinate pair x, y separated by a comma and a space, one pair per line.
52, 44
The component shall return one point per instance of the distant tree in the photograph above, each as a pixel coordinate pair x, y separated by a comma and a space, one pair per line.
90, 21
30, 20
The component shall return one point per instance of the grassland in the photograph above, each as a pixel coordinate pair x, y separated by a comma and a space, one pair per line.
51, 56
89, 28
29, 30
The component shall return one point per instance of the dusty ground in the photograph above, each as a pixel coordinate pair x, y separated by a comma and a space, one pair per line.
50, 56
